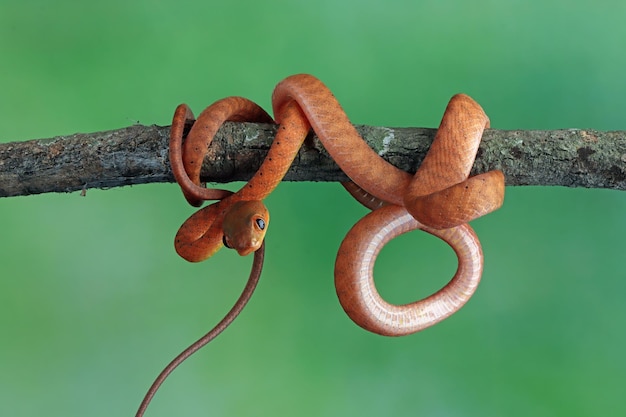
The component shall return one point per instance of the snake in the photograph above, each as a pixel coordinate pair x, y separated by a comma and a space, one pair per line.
440, 199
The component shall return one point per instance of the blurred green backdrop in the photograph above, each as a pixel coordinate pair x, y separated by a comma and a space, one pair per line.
94, 301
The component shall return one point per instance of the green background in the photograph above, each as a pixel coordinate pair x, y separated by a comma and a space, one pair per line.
94, 301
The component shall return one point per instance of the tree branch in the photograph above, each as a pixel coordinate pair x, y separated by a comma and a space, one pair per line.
138, 155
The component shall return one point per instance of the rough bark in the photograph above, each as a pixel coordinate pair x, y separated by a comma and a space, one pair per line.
138, 155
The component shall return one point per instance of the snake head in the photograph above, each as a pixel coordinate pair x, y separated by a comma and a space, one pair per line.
244, 226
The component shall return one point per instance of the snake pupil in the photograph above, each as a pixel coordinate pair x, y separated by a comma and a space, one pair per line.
261, 223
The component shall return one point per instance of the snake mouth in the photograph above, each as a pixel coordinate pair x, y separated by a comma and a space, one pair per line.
246, 251
243, 249
254, 245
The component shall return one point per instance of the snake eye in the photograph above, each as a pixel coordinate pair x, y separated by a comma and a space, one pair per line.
260, 222
225, 242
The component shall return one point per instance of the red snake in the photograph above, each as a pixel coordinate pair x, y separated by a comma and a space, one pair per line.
439, 199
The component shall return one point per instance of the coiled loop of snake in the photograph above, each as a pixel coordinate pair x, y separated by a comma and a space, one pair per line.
439, 196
